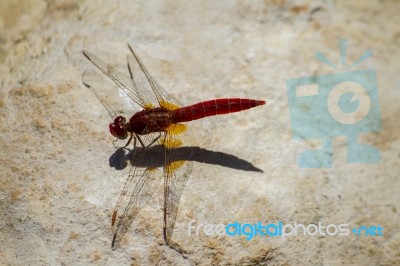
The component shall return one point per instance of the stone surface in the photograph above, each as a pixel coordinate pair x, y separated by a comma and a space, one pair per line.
57, 189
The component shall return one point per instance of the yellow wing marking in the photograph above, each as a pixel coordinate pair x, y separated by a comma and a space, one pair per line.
175, 129
152, 169
170, 143
174, 165
149, 106
168, 105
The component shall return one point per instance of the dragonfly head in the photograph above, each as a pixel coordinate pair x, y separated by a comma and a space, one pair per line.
117, 128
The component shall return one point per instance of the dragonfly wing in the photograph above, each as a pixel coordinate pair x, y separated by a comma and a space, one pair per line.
121, 80
143, 180
140, 82
149, 86
176, 173
114, 105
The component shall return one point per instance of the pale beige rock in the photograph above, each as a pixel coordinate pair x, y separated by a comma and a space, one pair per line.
57, 190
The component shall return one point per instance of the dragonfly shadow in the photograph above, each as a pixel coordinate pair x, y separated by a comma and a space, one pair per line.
120, 158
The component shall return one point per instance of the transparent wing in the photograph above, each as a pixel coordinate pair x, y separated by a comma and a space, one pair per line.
123, 81
143, 180
106, 94
177, 169
140, 86
145, 176
147, 84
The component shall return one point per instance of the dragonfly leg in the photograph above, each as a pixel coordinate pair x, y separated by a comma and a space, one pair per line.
129, 141
141, 142
151, 143
115, 140
154, 140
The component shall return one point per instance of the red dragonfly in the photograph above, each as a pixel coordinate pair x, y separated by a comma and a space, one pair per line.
158, 124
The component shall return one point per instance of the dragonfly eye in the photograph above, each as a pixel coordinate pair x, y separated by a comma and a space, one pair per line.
117, 128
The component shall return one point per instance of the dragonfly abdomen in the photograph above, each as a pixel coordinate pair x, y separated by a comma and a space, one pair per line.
213, 107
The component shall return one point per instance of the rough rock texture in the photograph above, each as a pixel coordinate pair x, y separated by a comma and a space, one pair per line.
57, 189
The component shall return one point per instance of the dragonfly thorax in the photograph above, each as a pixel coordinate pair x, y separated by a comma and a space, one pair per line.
117, 128
149, 121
